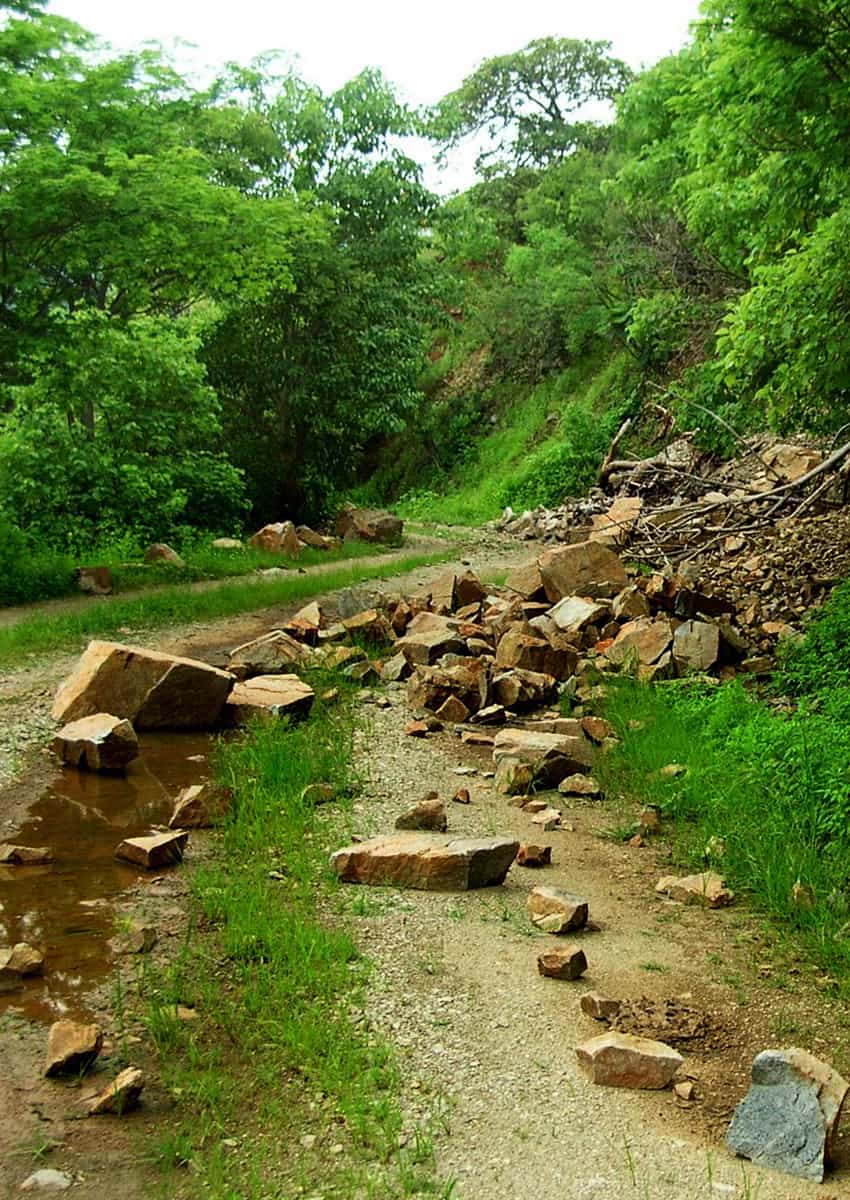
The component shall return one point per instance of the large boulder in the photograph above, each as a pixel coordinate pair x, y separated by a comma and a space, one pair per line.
277, 538
789, 1117
519, 647
551, 756
153, 690
100, 742
583, 569
368, 525
430, 863
161, 552
274, 695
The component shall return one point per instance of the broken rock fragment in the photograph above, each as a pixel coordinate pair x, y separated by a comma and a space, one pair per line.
789, 1116
696, 646
71, 1048
620, 1060
705, 888
556, 911
25, 856
120, 1096
276, 652
599, 1007
562, 963
274, 695
200, 806
100, 742
429, 813
18, 963
583, 569
157, 850
427, 862
532, 855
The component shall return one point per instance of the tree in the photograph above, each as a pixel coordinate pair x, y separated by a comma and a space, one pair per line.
529, 103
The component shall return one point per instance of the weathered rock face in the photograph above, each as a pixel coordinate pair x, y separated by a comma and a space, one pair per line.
200, 806
562, 963
71, 1048
556, 911
584, 569
527, 582
368, 626
429, 687
574, 613
18, 963
520, 648
157, 850
620, 1060
422, 647
161, 552
614, 527
275, 695
429, 814
643, 640
427, 863
629, 604
696, 646
368, 525
705, 888
789, 1116
520, 690
120, 1096
154, 691
551, 756
275, 652
100, 742
278, 538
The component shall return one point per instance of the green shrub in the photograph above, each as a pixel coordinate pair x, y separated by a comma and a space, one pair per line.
28, 574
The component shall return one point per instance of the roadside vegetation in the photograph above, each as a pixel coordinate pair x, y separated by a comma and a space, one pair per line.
764, 795
279, 1084
43, 632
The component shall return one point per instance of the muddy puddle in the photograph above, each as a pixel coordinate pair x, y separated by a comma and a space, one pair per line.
67, 909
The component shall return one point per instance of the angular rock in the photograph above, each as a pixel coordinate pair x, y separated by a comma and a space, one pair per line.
227, 543
583, 569
642, 641
493, 714
156, 850
429, 813
547, 819
513, 778
556, 911
629, 604
307, 624
369, 626
368, 525
200, 806
469, 589
136, 938
526, 581
278, 538
100, 742
395, 669
696, 646
336, 657
316, 541
427, 863
597, 728
24, 856
551, 756
120, 1096
429, 687
620, 1060
416, 729
427, 646
531, 855
517, 648
599, 1007
453, 711
615, 527
562, 963
161, 552
268, 655
705, 888
275, 695
789, 1117
150, 689
18, 963
71, 1048
574, 613
462, 796
520, 690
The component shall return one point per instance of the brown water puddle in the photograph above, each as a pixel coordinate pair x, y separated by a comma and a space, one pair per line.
66, 909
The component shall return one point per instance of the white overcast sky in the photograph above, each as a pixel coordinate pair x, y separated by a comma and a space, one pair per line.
425, 50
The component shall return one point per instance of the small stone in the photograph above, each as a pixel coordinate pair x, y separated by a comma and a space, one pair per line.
672, 771
308, 1141
137, 938
562, 963
705, 888
621, 1060
599, 1007
416, 729
476, 739
100, 742
493, 714
580, 785
200, 806
25, 856
547, 819
315, 794
429, 813
788, 1119
461, 796
556, 911
531, 855
122, 1095
71, 1048
453, 711
157, 850
47, 1180
649, 820
275, 695
684, 1090
428, 862
597, 728
17, 963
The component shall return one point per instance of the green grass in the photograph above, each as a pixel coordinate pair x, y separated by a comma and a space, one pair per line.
765, 800
45, 632
278, 1052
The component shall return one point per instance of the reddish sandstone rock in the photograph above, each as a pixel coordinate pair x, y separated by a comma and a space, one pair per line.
597, 728
426, 644
71, 1048
526, 581
24, 856
120, 1096
100, 742
275, 695
94, 581
643, 641
200, 806
583, 569
278, 538
429, 813
18, 963
599, 1007
161, 552
150, 689
369, 626
562, 963
519, 647
368, 525
705, 888
520, 690
156, 850
556, 911
531, 855
453, 711
551, 756
615, 527
621, 1060
268, 655
427, 862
